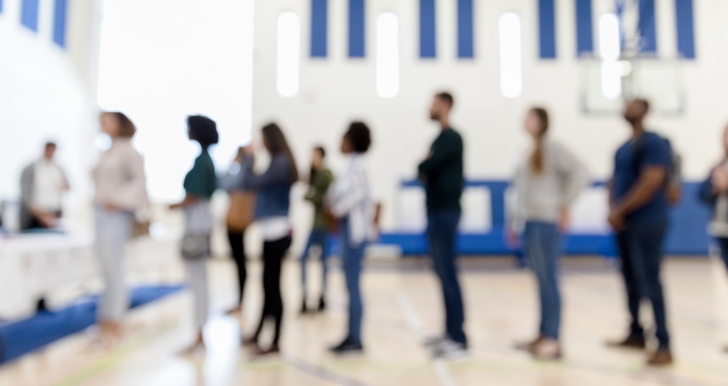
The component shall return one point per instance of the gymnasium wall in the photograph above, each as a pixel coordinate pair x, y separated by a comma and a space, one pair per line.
47, 89
336, 88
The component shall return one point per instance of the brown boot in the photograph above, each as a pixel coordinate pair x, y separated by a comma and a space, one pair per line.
661, 357
528, 346
633, 342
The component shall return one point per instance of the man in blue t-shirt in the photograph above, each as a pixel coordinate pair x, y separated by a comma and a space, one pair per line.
639, 215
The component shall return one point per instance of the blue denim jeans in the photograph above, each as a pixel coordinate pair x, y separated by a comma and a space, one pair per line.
442, 226
543, 249
351, 260
640, 248
319, 237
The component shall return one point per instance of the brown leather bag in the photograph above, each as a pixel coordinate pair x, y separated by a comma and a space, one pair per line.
241, 212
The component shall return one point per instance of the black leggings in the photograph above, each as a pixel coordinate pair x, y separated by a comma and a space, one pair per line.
273, 253
237, 244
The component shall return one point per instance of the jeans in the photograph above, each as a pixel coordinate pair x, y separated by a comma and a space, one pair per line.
542, 247
237, 244
351, 259
113, 229
723, 243
273, 253
318, 237
441, 231
640, 248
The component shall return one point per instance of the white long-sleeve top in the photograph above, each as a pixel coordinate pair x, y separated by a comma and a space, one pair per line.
119, 178
540, 197
350, 196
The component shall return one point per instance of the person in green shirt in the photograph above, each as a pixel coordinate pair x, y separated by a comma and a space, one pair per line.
199, 184
319, 181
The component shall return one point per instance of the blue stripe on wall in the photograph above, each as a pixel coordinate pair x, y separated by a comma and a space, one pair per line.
319, 23
584, 28
546, 29
428, 47
685, 28
29, 14
1, 6
357, 29
59, 22
648, 27
465, 29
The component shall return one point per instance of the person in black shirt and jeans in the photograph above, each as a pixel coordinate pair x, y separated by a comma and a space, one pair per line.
442, 175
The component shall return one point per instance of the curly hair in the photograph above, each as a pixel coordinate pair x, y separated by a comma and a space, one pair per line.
359, 136
203, 129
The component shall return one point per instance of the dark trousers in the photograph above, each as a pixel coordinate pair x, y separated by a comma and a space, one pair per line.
442, 231
543, 249
318, 237
640, 248
723, 243
273, 253
237, 244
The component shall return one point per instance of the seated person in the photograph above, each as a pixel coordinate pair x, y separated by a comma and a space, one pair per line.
42, 184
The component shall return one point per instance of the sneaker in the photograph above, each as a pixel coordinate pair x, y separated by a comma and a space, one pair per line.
546, 350
347, 347
661, 357
434, 341
528, 346
450, 350
633, 342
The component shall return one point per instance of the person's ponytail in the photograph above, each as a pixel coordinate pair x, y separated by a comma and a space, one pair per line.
537, 157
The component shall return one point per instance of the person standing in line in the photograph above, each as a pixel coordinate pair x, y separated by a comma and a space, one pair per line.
238, 218
350, 201
714, 192
200, 183
319, 181
42, 185
442, 174
121, 194
546, 185
639, 215
273, 201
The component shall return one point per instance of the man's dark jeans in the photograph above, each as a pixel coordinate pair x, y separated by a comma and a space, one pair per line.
442, 228
640, 248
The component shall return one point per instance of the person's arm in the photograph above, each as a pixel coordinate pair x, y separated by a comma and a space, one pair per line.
707, 192
133, 194
65, 186
575, 178
651, 179
348, 193
442, 154
189, 200
277, 172
321, 183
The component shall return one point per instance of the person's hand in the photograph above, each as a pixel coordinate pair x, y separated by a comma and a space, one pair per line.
564, 220
719, 179
175, 206
513, 239
617, 220
111, 207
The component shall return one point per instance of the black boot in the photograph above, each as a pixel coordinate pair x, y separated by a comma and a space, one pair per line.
322, 305
304, 309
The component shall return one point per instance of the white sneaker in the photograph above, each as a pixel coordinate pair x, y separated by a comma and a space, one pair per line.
434, 341
547, 350
450, 350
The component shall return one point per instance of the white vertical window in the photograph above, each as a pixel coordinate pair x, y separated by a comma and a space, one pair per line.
289, 54
387, 55
511, 60
609, 51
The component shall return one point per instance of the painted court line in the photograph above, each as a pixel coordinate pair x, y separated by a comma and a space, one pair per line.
415, 323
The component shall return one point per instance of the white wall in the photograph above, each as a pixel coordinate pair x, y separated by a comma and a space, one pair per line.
337, 89
47, 92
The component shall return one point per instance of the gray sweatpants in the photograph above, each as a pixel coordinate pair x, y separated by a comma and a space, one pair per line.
113, 229
197, 277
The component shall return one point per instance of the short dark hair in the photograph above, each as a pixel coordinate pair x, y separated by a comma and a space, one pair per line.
50, 144
644, 102
446, 97
359, 136
203, 129
321, 150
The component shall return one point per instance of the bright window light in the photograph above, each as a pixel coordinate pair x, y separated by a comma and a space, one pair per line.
387, 55
511, 55
609, 51
289, 54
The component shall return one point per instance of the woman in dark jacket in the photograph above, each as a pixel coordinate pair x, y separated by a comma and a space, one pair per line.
273, 190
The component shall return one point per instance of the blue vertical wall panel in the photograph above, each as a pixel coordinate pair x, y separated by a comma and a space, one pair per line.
428, 47
357, 29
648, 27
1, 6
29, 14
465, 29
319, 28
546, 29
60, 16
685, 28
584, 28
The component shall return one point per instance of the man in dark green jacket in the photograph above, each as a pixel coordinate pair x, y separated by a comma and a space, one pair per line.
442, 175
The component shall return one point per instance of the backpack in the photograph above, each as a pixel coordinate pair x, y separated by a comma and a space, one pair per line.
673, 181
